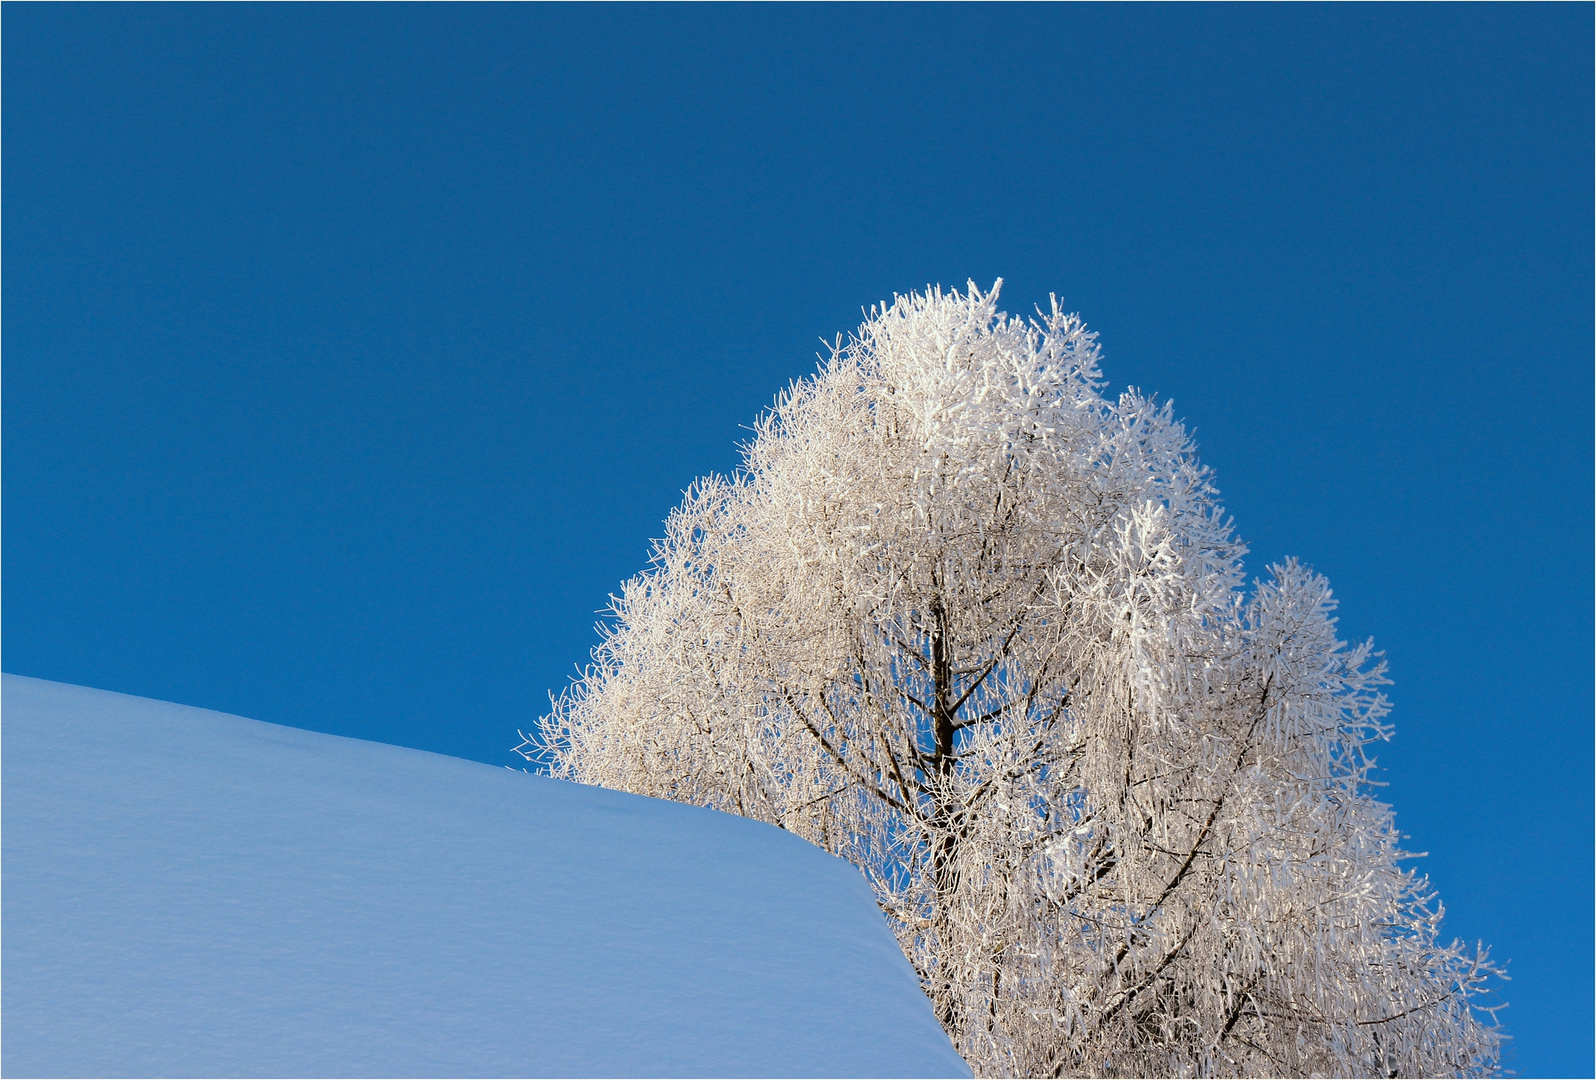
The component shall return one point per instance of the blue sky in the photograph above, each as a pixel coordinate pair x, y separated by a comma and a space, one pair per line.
353, 355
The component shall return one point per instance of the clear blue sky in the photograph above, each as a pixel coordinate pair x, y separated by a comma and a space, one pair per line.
353, 354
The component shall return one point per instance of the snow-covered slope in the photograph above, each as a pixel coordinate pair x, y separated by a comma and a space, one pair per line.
189, 893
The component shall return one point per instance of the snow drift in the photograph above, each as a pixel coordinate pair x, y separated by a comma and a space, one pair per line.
190, 893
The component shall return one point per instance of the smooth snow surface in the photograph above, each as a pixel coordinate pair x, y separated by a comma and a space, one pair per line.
188, 893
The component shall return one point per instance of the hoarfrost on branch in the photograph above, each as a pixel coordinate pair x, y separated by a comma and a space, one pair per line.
984, 632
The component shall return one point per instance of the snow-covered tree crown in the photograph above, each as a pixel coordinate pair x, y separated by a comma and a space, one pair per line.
984, 632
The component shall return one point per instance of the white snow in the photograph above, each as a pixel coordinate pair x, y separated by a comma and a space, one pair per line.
188, 893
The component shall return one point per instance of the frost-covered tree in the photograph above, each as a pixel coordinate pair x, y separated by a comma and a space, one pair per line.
966, 622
